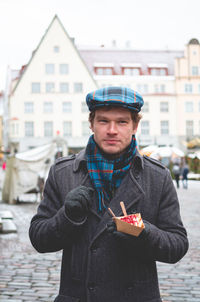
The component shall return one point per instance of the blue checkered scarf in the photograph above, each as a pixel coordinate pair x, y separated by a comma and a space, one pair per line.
107, 174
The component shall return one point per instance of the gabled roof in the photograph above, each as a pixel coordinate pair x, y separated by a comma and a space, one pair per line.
117, 57
24, 68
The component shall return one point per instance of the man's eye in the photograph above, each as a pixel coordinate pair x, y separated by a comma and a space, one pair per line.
102, 121
123, 122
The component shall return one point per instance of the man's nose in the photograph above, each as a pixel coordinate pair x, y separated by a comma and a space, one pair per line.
112, 128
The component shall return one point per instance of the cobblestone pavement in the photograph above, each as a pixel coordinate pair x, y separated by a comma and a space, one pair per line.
26, 275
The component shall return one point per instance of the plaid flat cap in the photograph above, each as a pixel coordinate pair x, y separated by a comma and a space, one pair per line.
115, 96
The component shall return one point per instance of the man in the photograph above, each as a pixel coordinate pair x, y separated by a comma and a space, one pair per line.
99, 263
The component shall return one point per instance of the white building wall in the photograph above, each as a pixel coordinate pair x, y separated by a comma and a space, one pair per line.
35, 72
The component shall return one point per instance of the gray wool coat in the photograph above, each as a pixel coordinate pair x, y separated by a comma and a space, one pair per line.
96, 266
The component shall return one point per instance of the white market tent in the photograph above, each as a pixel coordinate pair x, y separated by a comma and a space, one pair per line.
157, 152
193, 155
23, 170
163, 154
148, 150
171, 152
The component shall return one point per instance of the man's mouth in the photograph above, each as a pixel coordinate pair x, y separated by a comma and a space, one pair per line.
111, 141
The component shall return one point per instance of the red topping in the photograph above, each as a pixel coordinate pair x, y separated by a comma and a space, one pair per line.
132, 219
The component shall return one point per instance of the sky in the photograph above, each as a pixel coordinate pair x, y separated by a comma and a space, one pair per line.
146, 24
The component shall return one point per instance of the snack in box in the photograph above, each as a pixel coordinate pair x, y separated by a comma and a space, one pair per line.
129, 224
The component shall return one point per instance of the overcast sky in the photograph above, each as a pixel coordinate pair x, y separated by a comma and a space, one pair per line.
147, 24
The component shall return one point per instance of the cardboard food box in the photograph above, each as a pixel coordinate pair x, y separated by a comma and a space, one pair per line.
129, 228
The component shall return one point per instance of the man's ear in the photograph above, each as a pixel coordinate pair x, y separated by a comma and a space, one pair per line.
91, 127
135, 127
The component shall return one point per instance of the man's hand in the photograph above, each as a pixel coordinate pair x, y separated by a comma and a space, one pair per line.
111, 228
78, 202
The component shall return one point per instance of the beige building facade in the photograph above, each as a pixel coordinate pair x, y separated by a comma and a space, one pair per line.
187, 83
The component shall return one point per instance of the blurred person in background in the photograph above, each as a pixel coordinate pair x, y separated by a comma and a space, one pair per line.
185, 171
177, 172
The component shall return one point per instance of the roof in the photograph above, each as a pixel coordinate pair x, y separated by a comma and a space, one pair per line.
194, 41
119, 57
25, 67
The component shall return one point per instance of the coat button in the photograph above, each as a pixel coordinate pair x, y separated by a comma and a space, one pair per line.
91, 286
94, 249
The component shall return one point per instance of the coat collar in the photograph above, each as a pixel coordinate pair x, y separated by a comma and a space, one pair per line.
80, 159
138, 161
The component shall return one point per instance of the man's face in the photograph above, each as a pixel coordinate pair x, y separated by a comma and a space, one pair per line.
113, 129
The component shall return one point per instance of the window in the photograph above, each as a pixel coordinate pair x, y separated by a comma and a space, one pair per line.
188, 106
164, 107
56, 49
145, 127
78, 87
67, 107
159, 88
142, 88
104, 70
29, 129
156, 88
153, 71
163, 71
50, 87
64, 87
28, 107
48, 107
162, 88
84, 107
67, 128
195, 70
145, 107
85, 129
35, 87
15, 128
164, 127
49, 68
99, 71
131, 71
64, 68
48, 129
188, 88
108, 71
189, 128
158, 71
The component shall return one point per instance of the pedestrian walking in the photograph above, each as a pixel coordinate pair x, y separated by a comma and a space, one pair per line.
4, 166
185, 172
177, 172
101, 264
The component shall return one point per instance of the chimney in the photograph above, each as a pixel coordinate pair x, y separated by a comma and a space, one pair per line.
114, 43
73, 40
